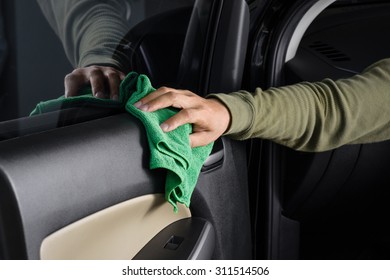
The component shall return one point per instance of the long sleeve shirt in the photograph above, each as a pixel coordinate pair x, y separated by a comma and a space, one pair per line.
89, 30
93, 31
315, 116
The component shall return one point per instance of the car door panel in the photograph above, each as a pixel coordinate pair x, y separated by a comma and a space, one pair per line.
57, 177
62, 168
60, 176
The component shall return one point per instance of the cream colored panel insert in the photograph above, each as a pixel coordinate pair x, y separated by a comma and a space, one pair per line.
118, 232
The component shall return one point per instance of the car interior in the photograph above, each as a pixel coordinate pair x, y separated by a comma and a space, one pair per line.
53, 187
75, 183
329, 205
341, 200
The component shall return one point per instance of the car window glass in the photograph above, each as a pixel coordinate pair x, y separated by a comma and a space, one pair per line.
42, 41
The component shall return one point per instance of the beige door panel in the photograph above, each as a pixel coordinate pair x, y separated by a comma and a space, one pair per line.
117, 232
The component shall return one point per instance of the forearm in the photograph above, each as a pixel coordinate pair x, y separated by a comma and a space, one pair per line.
316, 116
89, 30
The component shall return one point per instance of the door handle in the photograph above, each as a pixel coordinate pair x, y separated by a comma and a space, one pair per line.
215, 159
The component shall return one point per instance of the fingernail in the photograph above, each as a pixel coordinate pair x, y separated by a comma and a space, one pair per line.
164, 127
115, 97
138, 104
99, 94
144, 107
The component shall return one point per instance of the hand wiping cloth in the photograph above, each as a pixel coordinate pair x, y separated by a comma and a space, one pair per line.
170, 150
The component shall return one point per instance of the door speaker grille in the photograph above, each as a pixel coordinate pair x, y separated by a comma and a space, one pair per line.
329, 51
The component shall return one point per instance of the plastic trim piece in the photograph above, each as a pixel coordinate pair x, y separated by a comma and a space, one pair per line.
216, 156
186, 239
117, 232
302, 26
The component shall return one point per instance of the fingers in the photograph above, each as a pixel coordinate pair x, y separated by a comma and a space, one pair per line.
114, 81
157, 93
168, 97
97, 80
203, 132
73, 83
209, 117
182, 117
104, 81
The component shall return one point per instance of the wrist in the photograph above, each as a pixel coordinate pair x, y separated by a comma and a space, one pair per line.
222, 112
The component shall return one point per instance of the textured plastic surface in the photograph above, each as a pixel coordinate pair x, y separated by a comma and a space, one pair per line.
62, 175
186, 239
326, 46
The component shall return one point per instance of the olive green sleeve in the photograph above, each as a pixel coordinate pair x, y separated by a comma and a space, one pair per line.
315, 116
90, 31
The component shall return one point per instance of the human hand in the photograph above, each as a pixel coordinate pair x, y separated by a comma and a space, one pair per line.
104, 81
210, 118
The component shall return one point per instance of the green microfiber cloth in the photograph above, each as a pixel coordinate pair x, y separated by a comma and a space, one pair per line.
169, 150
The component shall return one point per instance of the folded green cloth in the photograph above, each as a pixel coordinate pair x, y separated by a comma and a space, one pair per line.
169, 150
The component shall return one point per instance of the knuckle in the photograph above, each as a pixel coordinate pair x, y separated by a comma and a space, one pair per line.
175, 95
186, 113
164, 89
188, 93
111, 74
77, 71
94, 70
70, 77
